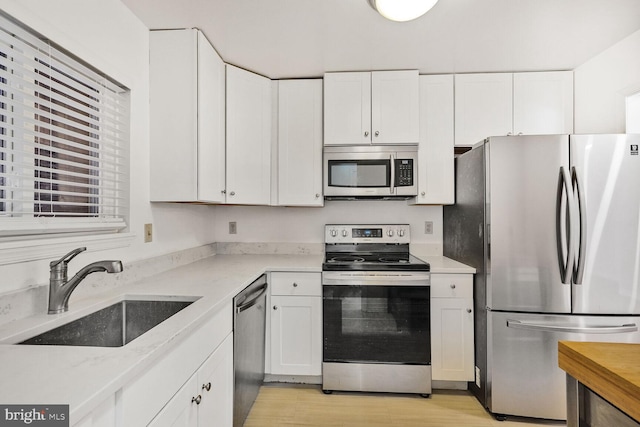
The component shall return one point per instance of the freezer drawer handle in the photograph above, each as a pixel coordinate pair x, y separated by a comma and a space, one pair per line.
596, 329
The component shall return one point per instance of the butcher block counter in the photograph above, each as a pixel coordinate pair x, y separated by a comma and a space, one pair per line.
610, 370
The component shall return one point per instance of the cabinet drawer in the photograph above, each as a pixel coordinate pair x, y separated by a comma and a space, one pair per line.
451, 285
297, 283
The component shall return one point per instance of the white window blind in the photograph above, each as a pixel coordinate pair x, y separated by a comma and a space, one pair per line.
64, 132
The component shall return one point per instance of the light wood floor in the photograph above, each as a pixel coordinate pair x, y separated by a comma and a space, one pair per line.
306, 405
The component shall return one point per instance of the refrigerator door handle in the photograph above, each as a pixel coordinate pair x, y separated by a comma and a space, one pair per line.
578, 271
594, 329
563, 230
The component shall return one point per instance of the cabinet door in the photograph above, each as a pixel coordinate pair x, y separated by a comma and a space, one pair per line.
215, 384
296, 335
181, 410
395, 104
173, 92
248, 138
543, 103
452, 339
347, 108
435, 152
300, 143
483, 105
211, 123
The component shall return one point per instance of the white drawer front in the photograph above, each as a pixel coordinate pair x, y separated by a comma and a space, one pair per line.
296, 283
451, 285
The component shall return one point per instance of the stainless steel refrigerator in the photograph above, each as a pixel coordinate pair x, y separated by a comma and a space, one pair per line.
551, 224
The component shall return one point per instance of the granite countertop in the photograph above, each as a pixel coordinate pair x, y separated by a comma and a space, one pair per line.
84, 376
611, 370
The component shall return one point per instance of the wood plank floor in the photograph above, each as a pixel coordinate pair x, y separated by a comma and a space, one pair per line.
305, 405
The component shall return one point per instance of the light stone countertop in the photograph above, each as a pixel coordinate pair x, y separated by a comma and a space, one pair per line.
83, 377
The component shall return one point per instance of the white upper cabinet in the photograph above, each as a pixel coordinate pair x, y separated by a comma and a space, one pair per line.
483, 106
187, 104
248, 138
379, 107
534, 103
300, 143
435, 151
543, 103
347, 108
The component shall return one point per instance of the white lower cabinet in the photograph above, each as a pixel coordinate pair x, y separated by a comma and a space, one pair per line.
207, 398
452, 351
296, 324
167, 393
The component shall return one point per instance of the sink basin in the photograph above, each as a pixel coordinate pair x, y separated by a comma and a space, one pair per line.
112, 326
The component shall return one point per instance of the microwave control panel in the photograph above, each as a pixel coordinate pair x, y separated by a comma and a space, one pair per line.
404, 172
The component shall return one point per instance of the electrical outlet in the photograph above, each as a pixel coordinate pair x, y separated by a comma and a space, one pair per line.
233, 228
478, 377
148, 233
428, 227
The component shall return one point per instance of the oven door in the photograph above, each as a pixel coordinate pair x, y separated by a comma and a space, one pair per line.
379, 324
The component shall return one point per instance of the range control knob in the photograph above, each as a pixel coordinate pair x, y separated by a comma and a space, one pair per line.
345, 233
401, 232
333, 232
390, 233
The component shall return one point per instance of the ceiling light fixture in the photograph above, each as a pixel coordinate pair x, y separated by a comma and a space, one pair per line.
402, 10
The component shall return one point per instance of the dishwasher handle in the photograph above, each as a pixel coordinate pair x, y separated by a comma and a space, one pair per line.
253, 301
595, 329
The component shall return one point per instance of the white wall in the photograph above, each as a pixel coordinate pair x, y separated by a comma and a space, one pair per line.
306, 225
108, 36
602, 85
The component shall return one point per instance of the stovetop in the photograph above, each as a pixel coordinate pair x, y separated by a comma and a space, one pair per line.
368, 247
359, 261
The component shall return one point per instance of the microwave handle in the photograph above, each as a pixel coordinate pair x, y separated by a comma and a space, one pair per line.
393, 174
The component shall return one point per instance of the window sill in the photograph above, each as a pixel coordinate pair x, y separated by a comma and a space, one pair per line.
31, 250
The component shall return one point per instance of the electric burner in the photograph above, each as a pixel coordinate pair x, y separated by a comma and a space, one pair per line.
346, 258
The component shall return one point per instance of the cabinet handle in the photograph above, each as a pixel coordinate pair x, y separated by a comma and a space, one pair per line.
377, 133
423, 193
509, 133
224, 191
206, 386
196, 399
519, 133
295, 285
366, 133
468, 310
275, 307
317, 195
453, 286
233, 193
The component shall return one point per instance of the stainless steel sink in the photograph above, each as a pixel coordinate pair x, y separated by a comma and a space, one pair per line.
112, 326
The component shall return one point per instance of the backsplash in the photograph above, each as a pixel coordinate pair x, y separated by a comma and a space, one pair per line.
29, 301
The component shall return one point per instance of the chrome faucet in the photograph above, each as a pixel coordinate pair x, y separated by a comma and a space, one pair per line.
60, 288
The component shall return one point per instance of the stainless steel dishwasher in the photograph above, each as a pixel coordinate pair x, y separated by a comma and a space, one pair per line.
248, 347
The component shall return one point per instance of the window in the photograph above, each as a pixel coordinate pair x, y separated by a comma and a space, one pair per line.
64, 132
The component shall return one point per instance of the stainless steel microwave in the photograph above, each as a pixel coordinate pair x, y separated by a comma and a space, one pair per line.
383, 172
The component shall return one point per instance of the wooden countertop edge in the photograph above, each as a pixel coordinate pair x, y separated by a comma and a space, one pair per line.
616, 389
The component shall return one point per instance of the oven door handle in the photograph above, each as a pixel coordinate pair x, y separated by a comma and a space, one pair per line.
376, 279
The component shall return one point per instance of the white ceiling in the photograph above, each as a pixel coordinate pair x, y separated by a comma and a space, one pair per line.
305, 38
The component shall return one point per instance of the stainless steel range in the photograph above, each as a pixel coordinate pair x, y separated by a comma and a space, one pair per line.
376, 326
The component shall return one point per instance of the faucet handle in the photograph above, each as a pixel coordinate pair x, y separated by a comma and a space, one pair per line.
68, 257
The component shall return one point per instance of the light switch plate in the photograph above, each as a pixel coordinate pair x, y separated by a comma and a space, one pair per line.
233, 228
148, 233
